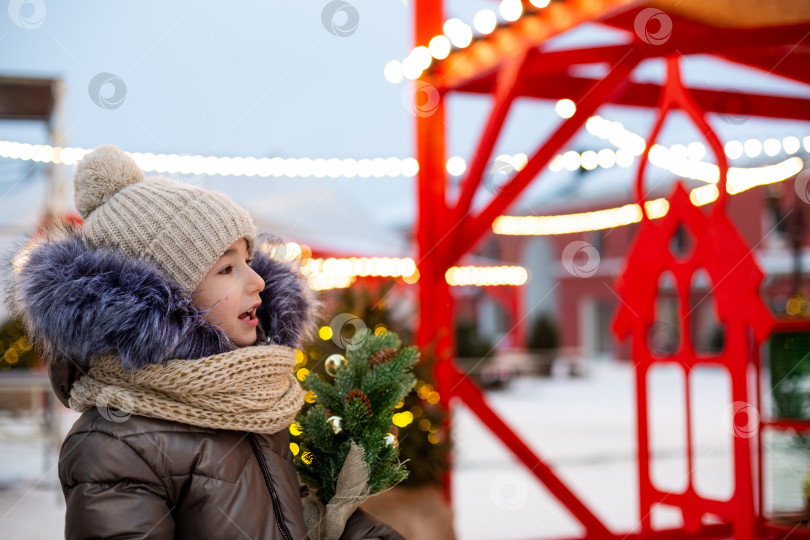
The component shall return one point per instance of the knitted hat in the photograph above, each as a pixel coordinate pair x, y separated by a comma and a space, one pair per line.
181, 228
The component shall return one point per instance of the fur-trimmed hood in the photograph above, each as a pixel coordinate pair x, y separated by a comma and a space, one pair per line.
76, 302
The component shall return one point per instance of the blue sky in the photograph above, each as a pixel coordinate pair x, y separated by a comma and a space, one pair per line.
267, 79
236, 78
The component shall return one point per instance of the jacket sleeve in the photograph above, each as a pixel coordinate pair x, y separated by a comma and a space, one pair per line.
363, 525
111, 491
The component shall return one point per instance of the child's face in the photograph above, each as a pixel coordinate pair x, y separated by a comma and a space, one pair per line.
233, 288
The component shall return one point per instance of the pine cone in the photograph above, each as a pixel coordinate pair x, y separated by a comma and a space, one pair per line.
381, 357
361, 396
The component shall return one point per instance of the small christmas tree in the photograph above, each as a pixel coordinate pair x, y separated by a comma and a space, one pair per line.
370, 382
423, 438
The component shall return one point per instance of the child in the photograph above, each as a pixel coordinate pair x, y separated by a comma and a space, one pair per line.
164, 320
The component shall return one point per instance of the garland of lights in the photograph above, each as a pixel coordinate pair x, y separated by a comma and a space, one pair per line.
629, 144
679, 159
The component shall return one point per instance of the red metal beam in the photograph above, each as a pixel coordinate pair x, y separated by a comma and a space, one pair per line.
587, 104
692, 37
675, 96
786, 62
544, 63
723, 102
776, 44
507, 86
473, 398
695, 37
647, 95
784, 425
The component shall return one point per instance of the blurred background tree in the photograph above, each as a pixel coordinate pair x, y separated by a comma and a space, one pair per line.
17, 351
543, 334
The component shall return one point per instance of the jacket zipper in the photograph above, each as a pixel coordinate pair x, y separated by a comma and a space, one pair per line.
282, 526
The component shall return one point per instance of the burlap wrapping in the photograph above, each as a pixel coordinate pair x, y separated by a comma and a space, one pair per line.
351, 491
248, 389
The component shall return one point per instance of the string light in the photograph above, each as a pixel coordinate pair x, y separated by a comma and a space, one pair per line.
333, 273
772, 147
752, 147
483, 276
616, 134
439, 47
393, 72
459, 33
511, 10
226, 166
607, 158
571, 160
566, 224
485, 21
743, 179
733, 149
624, 157
695, 151
456, 166
679, 159
565, 108
409, 68
589, 160
739, 180
421, 57
791, 145
686, 161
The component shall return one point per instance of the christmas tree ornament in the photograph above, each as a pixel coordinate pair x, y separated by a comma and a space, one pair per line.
358, 394
306, 457
333, 363
381, 357
391, 440
335, 422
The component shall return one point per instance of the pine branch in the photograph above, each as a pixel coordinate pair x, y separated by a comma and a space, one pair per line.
362, 398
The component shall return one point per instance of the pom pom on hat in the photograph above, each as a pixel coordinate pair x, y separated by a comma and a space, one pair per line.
100, 175
181, 228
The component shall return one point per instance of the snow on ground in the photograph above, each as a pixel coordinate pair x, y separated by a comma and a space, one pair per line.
584, 427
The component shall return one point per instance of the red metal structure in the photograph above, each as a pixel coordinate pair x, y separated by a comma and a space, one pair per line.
511, 62
721, 251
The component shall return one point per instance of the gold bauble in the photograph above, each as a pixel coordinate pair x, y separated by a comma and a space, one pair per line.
391, 440
335, 422
333, 363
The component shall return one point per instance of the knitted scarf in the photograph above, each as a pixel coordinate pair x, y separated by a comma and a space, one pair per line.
248, 389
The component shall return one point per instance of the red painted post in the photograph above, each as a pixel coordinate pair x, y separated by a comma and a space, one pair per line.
435, 326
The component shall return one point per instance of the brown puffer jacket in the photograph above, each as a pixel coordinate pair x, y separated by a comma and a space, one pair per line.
149, 478
139, 477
